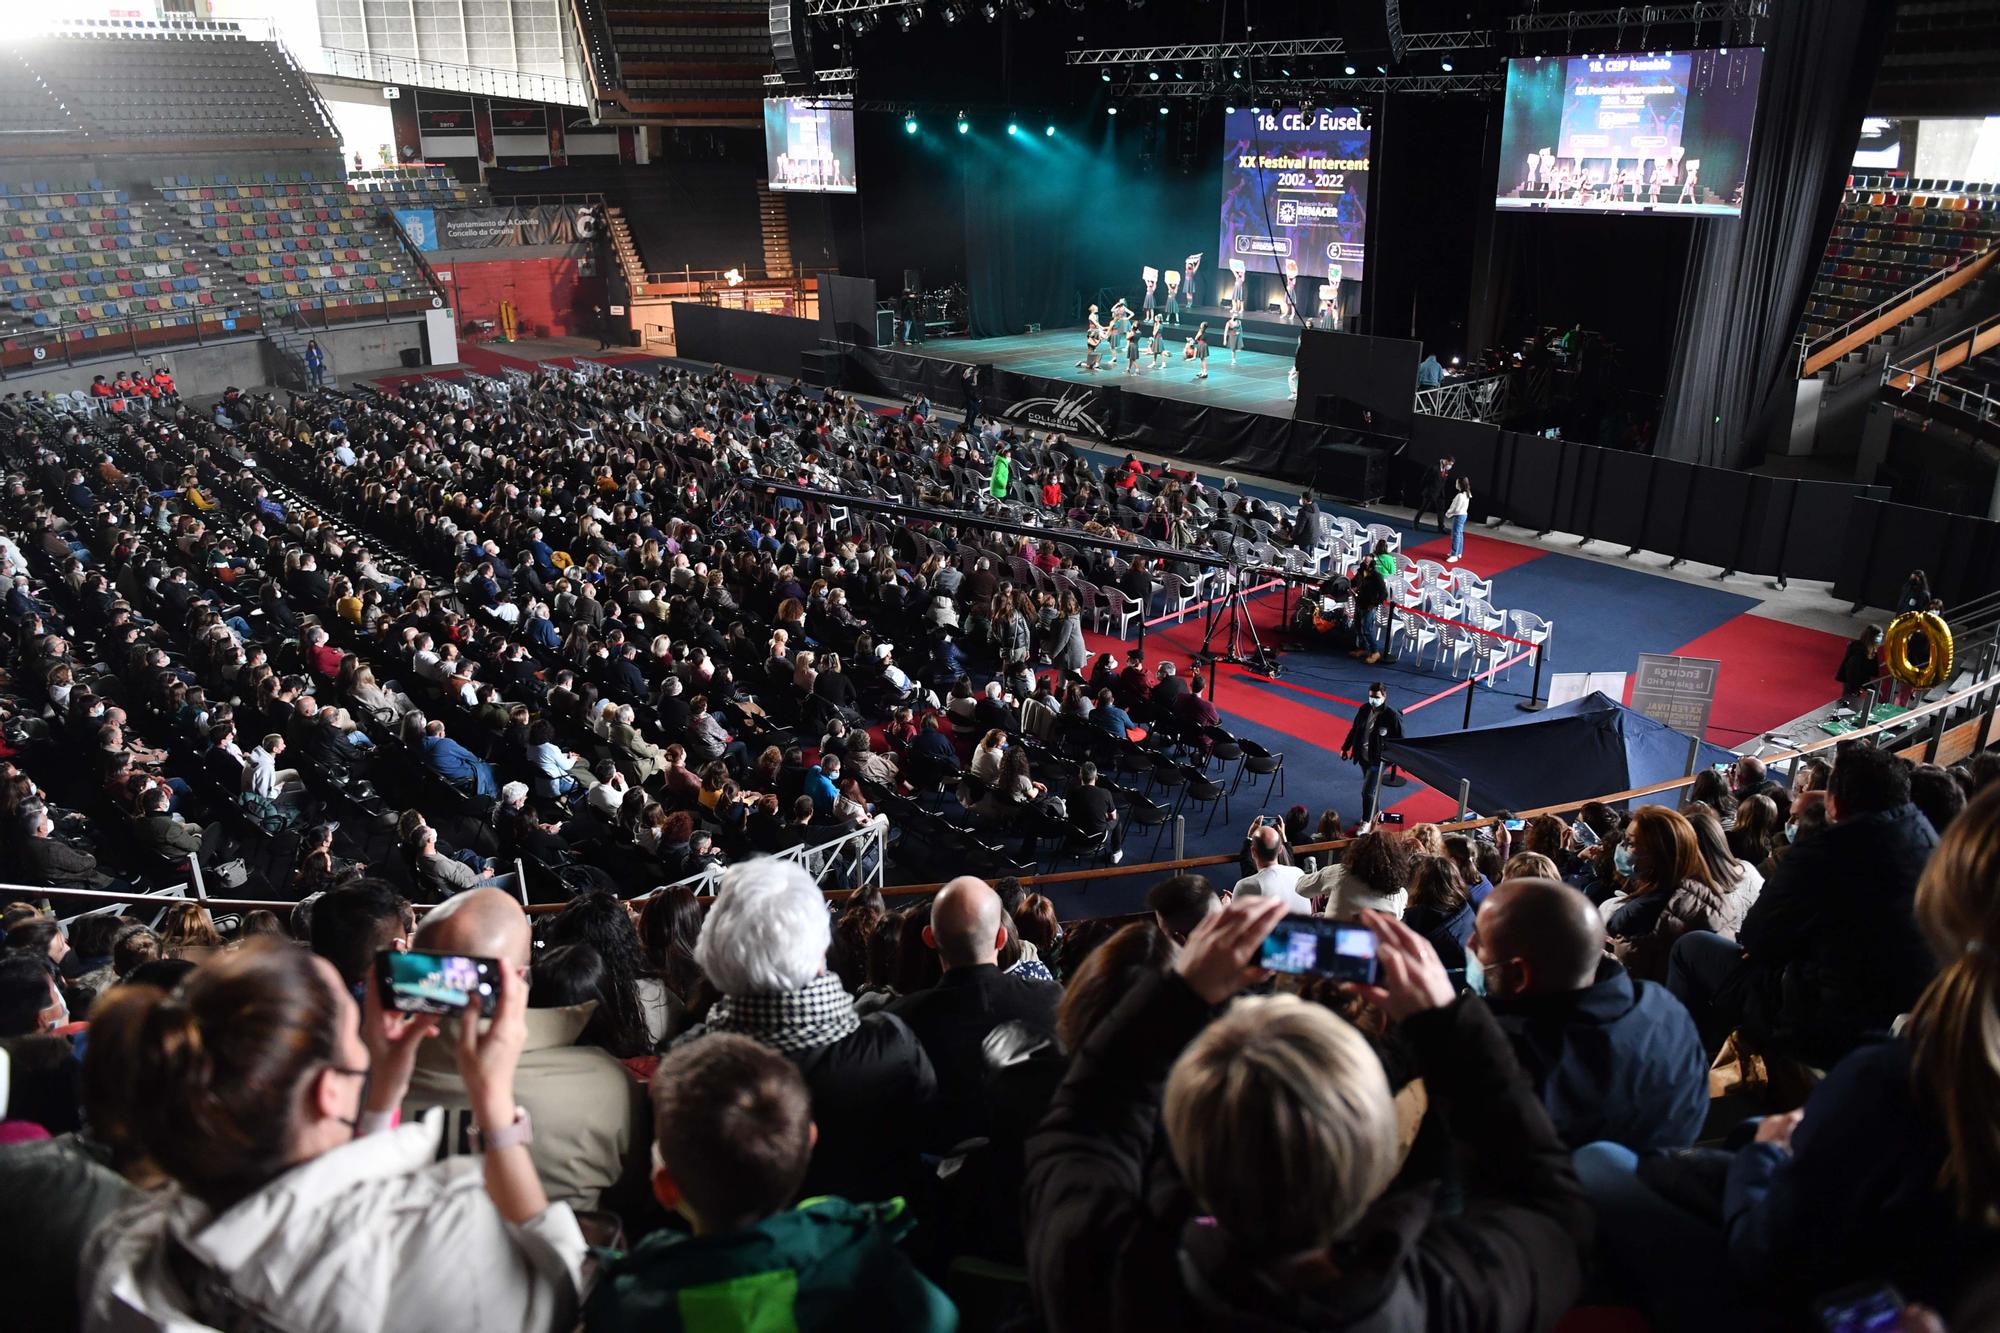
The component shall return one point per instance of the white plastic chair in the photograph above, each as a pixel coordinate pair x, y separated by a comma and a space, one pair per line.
1531, 628
1419, 632
1117, 603
1468, 584
1382, 532
1179, 595
1482, 615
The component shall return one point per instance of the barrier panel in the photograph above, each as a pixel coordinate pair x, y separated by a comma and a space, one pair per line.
749, 339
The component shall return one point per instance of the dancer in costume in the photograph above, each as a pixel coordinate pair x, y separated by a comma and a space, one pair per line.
1093, 334
1191, 267
1232, 336
1173, 296
1198, 349
1121, 331
1151, 277
1239, 293
1159, 346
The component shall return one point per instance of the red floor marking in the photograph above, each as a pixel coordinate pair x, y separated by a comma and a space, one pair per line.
1771, 673
1484, 556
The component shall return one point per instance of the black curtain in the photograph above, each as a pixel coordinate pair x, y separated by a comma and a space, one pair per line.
1730, 382
1021, 223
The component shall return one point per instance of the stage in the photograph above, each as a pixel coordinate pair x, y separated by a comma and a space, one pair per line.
1255, 384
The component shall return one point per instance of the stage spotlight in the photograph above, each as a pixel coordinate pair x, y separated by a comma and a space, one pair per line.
907, 17
909, 124
1012, 128
1350, 70
1163, 111
963, 127
1111, 111
1229, 111
1106, 76
1024, 9
1287, 73
1048, 131
991, 11
1381, 69
1153, 74
1235, 73
951, 12
1447, 66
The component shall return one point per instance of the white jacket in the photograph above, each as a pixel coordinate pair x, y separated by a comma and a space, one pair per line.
374, 1235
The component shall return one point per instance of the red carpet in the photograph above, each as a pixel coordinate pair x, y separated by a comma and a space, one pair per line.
1484, 556
1771, 673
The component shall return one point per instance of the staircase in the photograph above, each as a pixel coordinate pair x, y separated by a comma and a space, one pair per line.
774, 221
287, 349
627, 250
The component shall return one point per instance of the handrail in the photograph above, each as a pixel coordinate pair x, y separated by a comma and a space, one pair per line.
414, 253
424, 72
1911, 301
1942, 355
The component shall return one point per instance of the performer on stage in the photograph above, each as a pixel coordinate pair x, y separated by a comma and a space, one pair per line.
1198, 349
1240, 293
1159, 346
1690, 193
1292, 289
1151, 277
1121, 331
1188, 270
1232, 335
1093, 334
1173, 296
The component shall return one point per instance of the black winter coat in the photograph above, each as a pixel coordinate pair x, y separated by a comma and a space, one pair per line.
1110, 1249
1831, 948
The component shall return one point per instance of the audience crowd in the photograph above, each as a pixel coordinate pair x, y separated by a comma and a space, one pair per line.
365, 656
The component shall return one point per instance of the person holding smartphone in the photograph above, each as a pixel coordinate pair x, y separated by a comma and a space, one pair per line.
1279, 1120
295, 1202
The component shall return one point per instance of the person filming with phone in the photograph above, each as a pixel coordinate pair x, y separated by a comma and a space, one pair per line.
295, 1201
1278, 1120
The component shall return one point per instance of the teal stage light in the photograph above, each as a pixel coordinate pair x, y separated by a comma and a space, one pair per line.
909, 124
1012, 128
1111, 111
963, 128
1049, 131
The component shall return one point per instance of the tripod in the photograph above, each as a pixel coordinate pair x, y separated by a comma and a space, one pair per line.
1230, 623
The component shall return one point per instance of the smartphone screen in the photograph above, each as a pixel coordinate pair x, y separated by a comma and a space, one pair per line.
1514, 825
1862, 1309
437, 983
1315, 945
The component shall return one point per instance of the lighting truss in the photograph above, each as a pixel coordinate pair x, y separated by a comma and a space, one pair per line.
1638, 16
831, 9
845, 74
1298, 48
1249, 91
1392, 13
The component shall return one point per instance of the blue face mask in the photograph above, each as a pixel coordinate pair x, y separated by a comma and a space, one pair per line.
1621, 860
1475, 973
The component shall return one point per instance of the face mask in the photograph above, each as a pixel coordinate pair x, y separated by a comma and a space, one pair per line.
1475, 973
1621, 860
1791, 833
1377, 700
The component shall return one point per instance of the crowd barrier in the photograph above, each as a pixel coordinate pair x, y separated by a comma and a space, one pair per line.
1841, 533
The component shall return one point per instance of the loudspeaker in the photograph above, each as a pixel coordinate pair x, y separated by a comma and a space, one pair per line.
913, 279
1350, 472
791, 39
820, 367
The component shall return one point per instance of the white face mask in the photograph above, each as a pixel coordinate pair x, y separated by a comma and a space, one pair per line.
1377, 700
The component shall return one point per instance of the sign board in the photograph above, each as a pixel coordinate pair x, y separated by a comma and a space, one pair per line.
618, 310
390, 92
1676, 691
1569, 686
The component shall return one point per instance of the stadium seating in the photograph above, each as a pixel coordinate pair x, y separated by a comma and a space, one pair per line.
86, 258
1891, 234
158, 84
293, 239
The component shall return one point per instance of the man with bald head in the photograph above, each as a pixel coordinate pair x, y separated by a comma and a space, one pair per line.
1610, 1056
952, 1019
1273, 878
590, 1123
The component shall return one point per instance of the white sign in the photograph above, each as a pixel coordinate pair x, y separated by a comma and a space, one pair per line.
1678, 691
391, 92
618, 310
1569, 686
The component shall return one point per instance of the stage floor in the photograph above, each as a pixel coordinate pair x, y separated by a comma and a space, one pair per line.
1255, 384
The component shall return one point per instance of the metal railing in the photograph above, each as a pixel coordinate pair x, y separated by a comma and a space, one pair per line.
1921, 376
380, 67
34, 350
1481, 399
1811, 349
